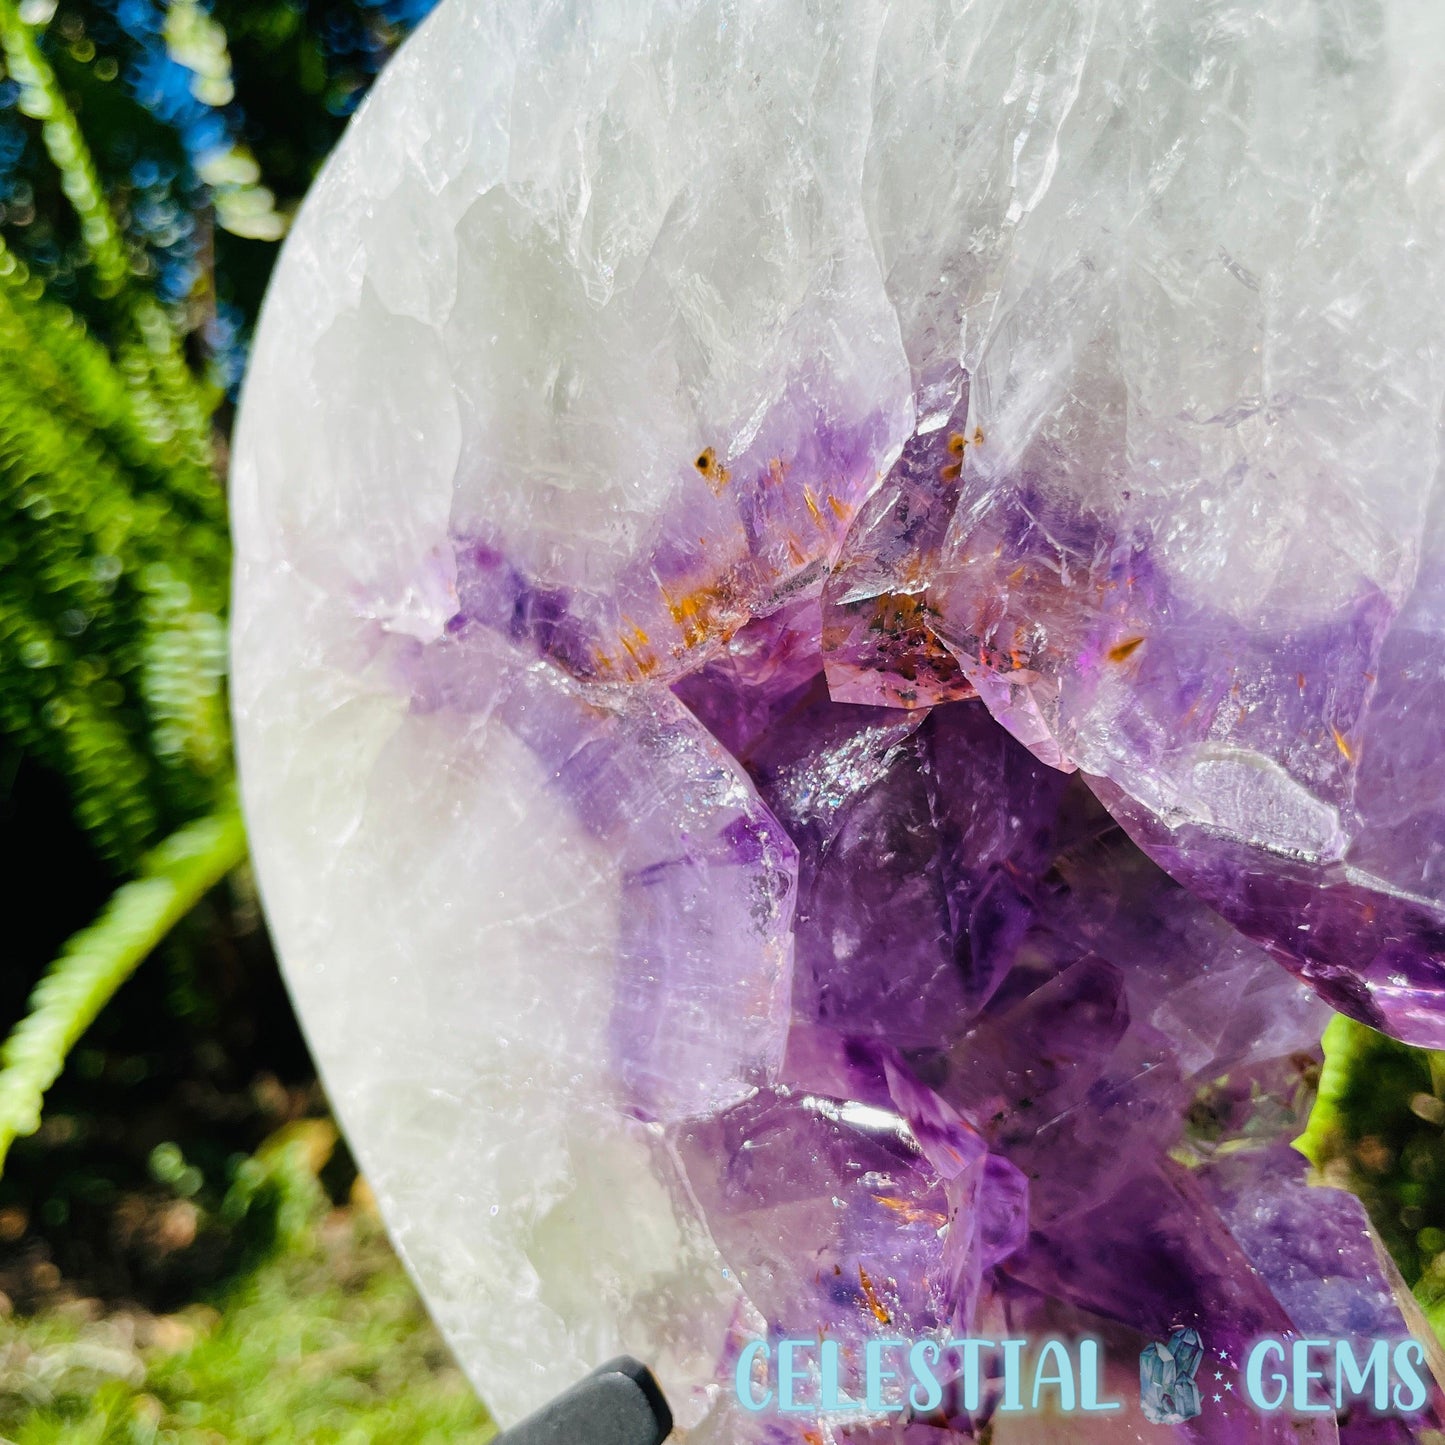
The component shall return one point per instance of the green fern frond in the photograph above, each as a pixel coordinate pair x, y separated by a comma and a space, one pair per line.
114, 570
55, 452
99, 959
56, 446
182, 679
111, 597
66, 711
186, 402
41, 99
46, 342
1344, 1040
196, 39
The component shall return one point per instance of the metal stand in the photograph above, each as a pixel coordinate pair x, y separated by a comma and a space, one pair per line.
619, 1403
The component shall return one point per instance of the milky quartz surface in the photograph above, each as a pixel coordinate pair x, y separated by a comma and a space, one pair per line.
727, 496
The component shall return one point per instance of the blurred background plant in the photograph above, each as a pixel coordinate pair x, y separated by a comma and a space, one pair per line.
186, 1252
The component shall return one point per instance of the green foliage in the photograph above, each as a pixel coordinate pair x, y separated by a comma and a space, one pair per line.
100, 958
1378, 1129
147, 345
113, 570
40, 98
244, 207
114, 564
320, 1338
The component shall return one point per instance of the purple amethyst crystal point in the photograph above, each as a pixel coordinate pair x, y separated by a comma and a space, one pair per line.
891, 1195
1262, 762
920, 841
830, 1214
764, 669
1315, 1248
874, 950
1157, 1255
1129, 998
702, 978
879, 645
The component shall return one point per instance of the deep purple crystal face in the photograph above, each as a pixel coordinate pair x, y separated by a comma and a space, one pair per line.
1276, 766
1004, 1069
1067, 1082
1001, 1067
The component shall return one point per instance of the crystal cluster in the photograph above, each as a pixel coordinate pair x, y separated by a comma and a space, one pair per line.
824, 594
1168, 1390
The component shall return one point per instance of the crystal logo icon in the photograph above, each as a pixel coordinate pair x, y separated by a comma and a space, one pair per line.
1168, 1394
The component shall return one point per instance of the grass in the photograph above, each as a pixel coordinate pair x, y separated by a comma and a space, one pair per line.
319, 1338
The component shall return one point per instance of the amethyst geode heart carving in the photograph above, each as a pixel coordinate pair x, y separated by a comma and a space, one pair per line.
839, 648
